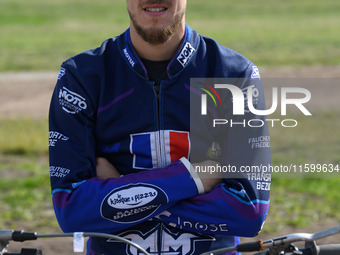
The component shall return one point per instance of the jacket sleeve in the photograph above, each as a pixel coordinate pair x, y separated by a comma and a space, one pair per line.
240, 204
83, 202
235, 207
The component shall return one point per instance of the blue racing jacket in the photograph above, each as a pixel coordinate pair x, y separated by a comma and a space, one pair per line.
104, 105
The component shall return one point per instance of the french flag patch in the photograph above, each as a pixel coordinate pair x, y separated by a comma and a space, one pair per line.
158, 149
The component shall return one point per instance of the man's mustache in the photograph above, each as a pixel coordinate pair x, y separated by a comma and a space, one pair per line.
149, 2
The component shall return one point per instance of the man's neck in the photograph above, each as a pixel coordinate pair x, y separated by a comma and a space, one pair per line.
157, 52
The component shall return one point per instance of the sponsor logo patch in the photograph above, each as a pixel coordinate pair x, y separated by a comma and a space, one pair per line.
255, 73
129, 57
186, 54
132, 203
54, 137
254, 97
62, 72
173, 241
259, 142
59, 172
71, 102
214, 151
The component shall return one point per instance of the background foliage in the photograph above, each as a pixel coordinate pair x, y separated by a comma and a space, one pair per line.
39, 35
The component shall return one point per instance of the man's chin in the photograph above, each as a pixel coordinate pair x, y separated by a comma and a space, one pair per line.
155, 36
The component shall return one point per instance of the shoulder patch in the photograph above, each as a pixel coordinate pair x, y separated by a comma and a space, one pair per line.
61, 73
71, 102
255, 73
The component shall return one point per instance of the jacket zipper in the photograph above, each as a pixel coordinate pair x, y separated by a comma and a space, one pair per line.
161, 159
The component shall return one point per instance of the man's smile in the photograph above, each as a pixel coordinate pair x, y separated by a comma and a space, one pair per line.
155, 9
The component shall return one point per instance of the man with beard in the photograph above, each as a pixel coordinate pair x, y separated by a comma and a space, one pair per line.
119, 141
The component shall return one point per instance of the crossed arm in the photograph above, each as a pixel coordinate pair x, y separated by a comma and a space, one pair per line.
106, 170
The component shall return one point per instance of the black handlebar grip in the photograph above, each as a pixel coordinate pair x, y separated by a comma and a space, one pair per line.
251, 246
328, 249
31, 252
20, 236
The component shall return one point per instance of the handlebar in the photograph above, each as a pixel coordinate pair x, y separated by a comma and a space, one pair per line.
273, 246
329, 249
276, 245
21, 236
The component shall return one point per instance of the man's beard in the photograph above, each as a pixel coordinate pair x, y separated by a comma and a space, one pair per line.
156, 36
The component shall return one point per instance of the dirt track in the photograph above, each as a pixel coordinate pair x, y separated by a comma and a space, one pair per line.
28, 94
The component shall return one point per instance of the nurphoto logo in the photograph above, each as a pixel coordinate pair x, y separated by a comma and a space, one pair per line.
245, 100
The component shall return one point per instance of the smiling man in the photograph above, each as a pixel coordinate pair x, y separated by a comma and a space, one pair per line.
122, 167
157, 22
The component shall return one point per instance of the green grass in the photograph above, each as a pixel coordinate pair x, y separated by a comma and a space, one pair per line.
24, 136
39, 35
25, 190
316, 139
24, 176
274, 32
25, 193
297, 201
302, 202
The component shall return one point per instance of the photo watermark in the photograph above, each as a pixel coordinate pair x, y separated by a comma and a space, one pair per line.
230, 120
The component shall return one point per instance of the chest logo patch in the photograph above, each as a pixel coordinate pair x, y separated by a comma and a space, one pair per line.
186, 54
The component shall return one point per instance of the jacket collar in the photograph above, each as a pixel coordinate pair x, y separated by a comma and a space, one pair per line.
184, 55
